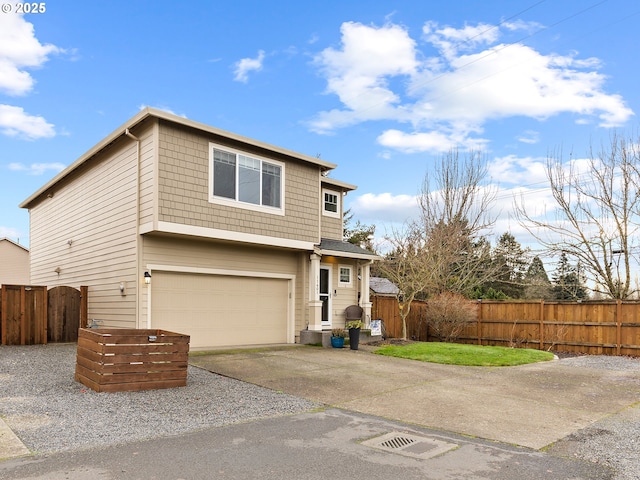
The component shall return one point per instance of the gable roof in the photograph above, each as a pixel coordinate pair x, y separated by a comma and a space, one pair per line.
5, 239
383, 286
147, 113
340, 248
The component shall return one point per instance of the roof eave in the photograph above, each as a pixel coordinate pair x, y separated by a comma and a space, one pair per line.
152, 112
340, 184
360, 256
15, 243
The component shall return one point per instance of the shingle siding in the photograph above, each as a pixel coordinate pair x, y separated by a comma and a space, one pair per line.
183, 177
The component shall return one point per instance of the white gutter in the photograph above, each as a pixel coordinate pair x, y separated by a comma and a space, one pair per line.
138, 236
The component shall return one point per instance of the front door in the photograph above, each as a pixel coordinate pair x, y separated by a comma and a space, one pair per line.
325, 295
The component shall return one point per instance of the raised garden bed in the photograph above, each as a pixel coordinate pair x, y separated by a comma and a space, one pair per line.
118, 360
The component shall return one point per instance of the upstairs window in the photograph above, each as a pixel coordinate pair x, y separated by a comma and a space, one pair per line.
245, 181
331, 203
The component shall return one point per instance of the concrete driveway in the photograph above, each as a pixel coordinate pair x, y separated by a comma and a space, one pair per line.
532, 405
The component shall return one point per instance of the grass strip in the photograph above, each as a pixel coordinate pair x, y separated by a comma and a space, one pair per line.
469, 355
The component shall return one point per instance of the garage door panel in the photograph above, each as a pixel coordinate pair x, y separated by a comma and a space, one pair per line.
220, 310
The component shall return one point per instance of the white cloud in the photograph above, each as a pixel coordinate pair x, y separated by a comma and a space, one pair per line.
19, 50
164, 109
433, 141
247, 65
15, 122
359, 72
450, 40
379, 73
9, 232
514, 170
529, 136
37, 168
384, 207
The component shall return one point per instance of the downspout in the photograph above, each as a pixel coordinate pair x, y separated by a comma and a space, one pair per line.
138, 239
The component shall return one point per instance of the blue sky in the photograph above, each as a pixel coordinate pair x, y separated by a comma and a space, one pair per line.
381, 88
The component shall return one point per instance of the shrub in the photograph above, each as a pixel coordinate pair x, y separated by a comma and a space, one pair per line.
448, 313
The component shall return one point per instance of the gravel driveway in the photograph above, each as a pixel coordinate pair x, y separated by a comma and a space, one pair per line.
50, 412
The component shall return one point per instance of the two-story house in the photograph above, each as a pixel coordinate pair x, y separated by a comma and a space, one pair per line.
14, 263
176, 225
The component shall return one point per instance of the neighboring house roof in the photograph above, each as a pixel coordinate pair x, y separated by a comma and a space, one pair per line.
14, 263
339, 248
159, 114
14, 243
383, 286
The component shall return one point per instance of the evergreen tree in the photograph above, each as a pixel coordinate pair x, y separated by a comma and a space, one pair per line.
568, 281
537, 281
358, 234
511, 261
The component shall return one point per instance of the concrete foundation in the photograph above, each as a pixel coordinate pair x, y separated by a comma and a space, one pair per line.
311, 337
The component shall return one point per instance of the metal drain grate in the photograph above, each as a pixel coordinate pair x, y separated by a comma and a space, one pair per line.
410, 445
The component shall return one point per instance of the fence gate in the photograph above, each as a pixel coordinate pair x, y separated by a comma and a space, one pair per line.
63, 314
23, 315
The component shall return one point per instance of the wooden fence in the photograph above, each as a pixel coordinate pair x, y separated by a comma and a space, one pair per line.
602, 327
32, 315
386, 308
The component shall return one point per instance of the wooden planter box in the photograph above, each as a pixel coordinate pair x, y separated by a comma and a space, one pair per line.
118, 360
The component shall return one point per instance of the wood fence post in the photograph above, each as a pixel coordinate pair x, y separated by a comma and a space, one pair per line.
618, 325
479, 322
3, 315
45, 315
23, 320
84, 308
541, 324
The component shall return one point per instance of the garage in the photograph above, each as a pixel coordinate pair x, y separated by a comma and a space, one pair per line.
221, 310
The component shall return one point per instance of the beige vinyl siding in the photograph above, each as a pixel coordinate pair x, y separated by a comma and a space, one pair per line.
186, 253
183, 176
14, 264
342, 296
87, 230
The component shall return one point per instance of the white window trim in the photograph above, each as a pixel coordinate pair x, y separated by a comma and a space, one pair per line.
328, 213
350, 282
237, 203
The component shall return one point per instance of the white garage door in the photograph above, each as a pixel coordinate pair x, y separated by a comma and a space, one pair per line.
220, 310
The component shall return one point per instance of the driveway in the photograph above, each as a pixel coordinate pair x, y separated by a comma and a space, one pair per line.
531, 405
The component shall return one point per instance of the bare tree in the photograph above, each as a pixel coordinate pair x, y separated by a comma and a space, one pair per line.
444, 250
597, 214
455, 215
404, 267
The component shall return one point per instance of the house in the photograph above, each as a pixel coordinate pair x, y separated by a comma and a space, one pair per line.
14, 263
177, 225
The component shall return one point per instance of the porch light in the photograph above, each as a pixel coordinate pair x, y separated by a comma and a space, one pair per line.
147, 278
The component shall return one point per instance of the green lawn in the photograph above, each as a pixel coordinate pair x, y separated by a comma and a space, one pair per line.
471, 355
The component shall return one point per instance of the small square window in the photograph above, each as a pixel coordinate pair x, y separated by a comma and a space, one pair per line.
345, 275
331, 203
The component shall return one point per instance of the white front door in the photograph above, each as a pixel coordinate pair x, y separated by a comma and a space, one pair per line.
325, 295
